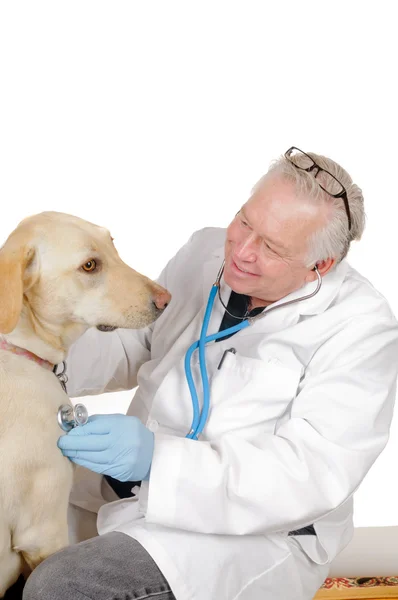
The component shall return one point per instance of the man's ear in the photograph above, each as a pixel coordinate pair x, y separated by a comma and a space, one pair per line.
323, 266
14, 258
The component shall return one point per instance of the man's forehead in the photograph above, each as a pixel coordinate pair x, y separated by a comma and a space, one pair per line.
279, 197
278, 214
274, 190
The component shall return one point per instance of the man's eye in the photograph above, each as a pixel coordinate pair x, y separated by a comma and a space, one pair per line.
269, 247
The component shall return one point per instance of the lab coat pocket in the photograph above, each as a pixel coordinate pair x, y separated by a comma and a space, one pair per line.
249, 394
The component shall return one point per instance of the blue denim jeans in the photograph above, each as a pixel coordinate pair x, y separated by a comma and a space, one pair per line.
113, 566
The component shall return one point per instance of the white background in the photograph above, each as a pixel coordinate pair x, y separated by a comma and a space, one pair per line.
156, 118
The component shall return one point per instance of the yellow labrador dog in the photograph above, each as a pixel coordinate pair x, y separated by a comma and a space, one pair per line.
59, 275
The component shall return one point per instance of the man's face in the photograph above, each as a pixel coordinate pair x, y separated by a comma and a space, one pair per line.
266, 250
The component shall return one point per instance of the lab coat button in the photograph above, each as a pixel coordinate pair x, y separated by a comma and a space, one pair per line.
153, 425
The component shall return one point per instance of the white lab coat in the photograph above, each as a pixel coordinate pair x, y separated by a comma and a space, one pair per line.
298, 416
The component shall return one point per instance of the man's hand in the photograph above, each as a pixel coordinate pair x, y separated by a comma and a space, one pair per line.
115, 445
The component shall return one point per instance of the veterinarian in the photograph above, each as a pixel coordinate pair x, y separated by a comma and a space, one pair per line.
301, 406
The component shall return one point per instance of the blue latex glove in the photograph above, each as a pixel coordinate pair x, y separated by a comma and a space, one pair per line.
115, 445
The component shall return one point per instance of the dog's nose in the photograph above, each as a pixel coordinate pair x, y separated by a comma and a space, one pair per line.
162, 299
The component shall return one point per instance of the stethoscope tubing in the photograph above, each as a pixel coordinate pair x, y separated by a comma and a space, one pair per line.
200, 417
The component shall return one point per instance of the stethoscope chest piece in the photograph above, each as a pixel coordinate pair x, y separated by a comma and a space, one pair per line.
72, 416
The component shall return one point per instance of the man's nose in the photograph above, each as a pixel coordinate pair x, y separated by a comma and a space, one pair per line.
246, 249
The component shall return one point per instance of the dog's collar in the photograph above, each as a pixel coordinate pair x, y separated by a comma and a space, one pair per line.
4, 345
61, 376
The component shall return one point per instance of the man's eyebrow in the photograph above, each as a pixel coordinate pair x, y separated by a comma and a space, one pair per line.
268, 240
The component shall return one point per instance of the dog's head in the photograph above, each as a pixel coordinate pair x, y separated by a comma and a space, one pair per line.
65, 272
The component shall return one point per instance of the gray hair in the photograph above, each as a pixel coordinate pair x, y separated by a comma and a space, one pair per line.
334, 239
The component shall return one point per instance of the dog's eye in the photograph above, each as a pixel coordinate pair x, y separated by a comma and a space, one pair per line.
89, 266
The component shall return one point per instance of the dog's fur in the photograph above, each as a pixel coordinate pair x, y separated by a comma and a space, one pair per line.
47, 301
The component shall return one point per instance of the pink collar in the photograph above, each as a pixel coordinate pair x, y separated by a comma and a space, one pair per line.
4, 345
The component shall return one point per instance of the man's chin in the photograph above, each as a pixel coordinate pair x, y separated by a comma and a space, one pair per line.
237, 286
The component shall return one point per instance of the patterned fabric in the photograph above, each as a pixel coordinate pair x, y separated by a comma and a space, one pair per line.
340, 583
4, 345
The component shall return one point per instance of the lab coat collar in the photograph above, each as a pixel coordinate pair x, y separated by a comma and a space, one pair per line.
331, 284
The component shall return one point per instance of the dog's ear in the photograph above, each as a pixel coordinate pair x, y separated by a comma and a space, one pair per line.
15, 255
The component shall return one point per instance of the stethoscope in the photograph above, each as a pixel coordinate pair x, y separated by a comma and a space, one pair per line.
69, 416
200, 417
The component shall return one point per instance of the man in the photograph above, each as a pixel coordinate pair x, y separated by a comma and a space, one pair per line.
301, 405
